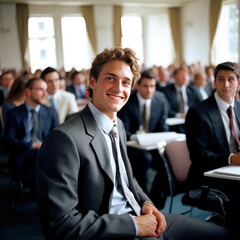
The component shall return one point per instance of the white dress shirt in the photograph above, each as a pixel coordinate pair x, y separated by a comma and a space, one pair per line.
223, 106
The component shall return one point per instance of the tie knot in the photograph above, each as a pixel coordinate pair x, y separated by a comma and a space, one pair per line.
33, 111
229, 110
114, 131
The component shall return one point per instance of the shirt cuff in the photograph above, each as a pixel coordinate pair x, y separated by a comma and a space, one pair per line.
229, 158
135, 224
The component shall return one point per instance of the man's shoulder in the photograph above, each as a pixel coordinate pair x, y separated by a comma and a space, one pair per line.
17, 109
205, 105
67, 95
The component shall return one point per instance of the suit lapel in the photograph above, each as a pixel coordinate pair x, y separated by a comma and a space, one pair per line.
135, 108
154, 113
98, 142
217, 124
237, 111
24, 116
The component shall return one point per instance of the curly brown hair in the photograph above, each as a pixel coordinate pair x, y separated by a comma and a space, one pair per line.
126, 55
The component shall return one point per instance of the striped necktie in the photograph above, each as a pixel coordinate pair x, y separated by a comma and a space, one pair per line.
119, 161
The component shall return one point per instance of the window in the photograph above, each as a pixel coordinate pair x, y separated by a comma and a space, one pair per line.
77, 51
159, 41
157, 47
225, 45
132, 35
42, 46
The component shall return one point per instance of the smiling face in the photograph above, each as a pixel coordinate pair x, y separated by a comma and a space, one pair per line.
226, 84
112, 88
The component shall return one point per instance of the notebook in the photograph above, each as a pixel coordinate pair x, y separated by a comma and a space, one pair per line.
229, 170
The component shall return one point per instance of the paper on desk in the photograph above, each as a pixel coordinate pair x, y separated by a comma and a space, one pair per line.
229, 170
145, 139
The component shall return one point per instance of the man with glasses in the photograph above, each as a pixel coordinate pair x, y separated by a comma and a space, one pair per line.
25, 129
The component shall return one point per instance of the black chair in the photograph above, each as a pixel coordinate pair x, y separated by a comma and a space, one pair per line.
175, 156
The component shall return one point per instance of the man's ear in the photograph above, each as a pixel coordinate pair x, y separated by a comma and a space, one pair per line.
92, 82
27, 91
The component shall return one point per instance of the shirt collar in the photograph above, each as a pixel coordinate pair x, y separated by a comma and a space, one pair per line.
221, 103
37, 108
183, 88
103, 121
142, 100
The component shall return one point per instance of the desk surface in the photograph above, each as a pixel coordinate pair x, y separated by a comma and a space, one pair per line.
166, 136
175, 121
229, 172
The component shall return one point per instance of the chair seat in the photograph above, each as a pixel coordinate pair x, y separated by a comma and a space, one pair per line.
207, 199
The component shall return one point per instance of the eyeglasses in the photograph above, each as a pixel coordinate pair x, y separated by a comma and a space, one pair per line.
40, 89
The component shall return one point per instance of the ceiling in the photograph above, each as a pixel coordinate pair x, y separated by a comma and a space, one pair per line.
160, 3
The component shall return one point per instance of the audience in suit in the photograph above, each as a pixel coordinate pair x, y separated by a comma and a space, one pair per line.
210, 138
18, 132
133, 117
79, 189
62, 101
180, 96
78, 85
199, 84
209, 70
164, 77
6, 81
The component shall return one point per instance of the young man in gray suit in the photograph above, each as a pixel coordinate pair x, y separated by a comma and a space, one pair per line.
82, 179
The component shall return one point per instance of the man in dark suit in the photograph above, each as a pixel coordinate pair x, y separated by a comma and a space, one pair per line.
145, 94
18, 133
180, 97
6, 80
81, 178
78, 85
209, 136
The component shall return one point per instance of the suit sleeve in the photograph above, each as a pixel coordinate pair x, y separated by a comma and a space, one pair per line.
11, 131
60, 178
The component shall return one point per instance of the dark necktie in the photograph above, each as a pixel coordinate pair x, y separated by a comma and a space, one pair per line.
118, 160
181, 102
230, 115
35, 126
144, 118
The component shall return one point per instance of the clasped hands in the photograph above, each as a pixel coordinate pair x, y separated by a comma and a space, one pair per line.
151, 223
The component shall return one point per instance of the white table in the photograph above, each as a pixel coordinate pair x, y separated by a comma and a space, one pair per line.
153, 139
229, 172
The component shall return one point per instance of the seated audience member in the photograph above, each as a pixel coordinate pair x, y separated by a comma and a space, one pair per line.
85, 186
164, 77
63, 84
78, 86
37, 73
210, 77
180, 96
199, 83
15, 98
6, 81
210, 136
26, 127
64, 102
145, 111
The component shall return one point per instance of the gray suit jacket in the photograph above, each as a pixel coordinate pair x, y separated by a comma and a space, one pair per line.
75, 183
